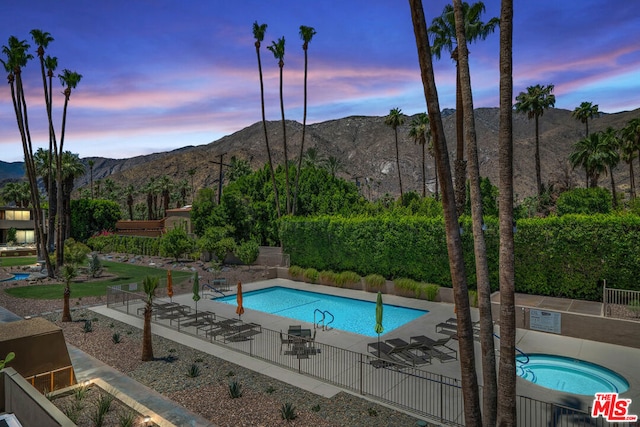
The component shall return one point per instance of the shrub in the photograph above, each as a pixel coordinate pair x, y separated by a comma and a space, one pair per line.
115, 338
328, 276
347, 278
295, 271
87, 327
95, 266
408, 285
431, 291
235, 389
194, 371
584, 201
311, 275
248, 252
126, 419
375, 280
288, 412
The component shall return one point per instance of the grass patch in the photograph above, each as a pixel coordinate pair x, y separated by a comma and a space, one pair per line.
125, 273
17, 261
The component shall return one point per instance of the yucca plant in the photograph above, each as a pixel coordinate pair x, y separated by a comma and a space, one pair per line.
288, 412
194, 371
88, 326
126, 419
235, 389
116, 338
80, 393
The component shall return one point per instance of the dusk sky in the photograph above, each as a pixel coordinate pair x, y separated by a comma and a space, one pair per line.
160, 74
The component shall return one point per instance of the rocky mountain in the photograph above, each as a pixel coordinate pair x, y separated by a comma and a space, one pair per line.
365, 147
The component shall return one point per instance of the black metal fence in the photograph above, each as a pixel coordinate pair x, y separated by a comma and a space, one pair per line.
428, 395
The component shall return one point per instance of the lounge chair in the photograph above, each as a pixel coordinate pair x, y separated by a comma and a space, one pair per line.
383, 352
405, 351
438, 348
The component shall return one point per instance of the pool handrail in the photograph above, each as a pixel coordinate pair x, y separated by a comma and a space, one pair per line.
325, 326
206, 285
519, 351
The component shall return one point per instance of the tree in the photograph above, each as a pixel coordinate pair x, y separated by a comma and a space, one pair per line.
69, 80
149, 285
589, 153
69, 271
277, 48
258, 34
43, 165
333, 165
395, 119
16, 192
631, 136
176, 243
490, 392
72, 168
91, 163
306, 34
507, 364
584, 112
443, 31
533, 103
472, 414
420, 135
238, 168
611, 145
129, 192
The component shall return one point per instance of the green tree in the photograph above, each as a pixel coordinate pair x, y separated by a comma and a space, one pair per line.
247, 252
395, 119
611, 146
421, 134
17, 192
586, 201
589, 153
149, 284
277, 48
470, 392
631, 148
584, 112
91, 163
238, 169
443, 31
533, 102
176, 243
258, 34
306, 34
92, 216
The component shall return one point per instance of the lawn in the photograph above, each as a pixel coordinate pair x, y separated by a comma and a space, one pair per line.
17, 261
124, 273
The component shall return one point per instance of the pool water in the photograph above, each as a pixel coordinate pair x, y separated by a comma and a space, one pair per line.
350, 314
569, 375
17, 276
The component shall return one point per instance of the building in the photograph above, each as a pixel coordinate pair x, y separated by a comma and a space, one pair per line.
20, 219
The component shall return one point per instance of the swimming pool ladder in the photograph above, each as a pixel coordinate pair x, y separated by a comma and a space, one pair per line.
211, 288
323, 313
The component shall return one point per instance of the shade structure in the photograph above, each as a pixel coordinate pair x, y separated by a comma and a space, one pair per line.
379, 328
196, 291
169, 285
240, 308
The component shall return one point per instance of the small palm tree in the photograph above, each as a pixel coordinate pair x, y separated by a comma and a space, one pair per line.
69, 272
421, 134
277, 48
584, 112
533, 102
395, 119
589, 153
149, 285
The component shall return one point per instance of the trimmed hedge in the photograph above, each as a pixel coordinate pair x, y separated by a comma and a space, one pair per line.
566, 256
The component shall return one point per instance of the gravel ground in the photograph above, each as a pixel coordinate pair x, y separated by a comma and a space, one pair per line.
208, 393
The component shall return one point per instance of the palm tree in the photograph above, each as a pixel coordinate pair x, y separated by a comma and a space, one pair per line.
306, 34
443, 31
507, 414
533, 103
72, 168
68, 272
631, 136
333, 165
191, 172
420, 133
490, 392
584, 112
589, 153
149, 285
16, 192
610, 145
69, 80
277, 48
312, 158
629, 150
470, 392
130, 191
43, 164
91, 163
395, 119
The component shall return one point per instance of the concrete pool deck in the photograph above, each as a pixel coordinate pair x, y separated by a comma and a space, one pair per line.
621, 359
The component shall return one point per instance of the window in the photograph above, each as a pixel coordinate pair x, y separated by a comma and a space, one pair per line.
18, 215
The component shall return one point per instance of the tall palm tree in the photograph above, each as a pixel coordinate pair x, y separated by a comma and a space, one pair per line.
584, 112
17, 57
69, 271
149, 285
420, 133
490, 392
507, 415
443, 32
258, 34
129, 192
629, 150
69, 80
277, 48
611, 145
192, 172
589, 153
44, 169
306, 34
470, 392
72, 168
91, 163
533, 103
395, 119
631, 136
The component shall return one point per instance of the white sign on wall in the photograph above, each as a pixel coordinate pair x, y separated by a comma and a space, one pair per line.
545, 321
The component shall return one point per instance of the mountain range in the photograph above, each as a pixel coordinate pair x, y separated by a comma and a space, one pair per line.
365, 148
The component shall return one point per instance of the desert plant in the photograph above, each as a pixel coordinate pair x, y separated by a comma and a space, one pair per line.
315, 408
116, 338
372, 412
375, 281
80, 393
73, 411
270, 390
288, 412
194, 371
8, 358
104, 402
311, 275
235, 389
230, 374
87, 327
126, 419
296, 271
473, 298
431, 291
95, 266
97, 417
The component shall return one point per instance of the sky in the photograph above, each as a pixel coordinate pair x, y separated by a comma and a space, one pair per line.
159, 75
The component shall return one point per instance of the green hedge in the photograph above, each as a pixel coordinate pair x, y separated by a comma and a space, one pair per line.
149, 246
564, 256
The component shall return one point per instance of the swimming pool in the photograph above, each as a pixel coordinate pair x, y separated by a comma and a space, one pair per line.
350, 314
17, 276
569, 375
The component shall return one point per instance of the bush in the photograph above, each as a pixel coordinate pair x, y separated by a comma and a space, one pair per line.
584, 201
235, 389
431, 292
375, 281
176, 243
328, 276
95, 266
408, 285
311, 275
295, 271
288, 412
248, 252
347, 278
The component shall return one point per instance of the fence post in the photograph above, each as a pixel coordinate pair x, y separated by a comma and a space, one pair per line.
361, 375
604, 296
441, 401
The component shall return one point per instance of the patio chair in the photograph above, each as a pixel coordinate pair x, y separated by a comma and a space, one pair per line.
438, 348
383, 352
405, 351
285, 339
